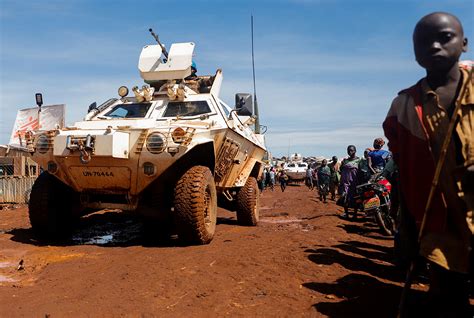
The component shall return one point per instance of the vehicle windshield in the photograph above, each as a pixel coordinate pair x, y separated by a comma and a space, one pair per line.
301, 165
192, 108
132, 110
291, 165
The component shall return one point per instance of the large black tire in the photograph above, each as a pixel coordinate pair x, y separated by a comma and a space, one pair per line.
52, 207
195, 206
384, 221
248, 203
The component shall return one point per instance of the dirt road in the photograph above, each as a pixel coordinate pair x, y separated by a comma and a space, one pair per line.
301, 260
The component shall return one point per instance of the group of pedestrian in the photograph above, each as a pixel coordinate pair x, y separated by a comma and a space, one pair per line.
355, 171
324, 178
343, 177
270, 176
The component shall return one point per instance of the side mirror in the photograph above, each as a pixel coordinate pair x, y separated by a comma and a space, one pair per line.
92, 107
244, 104
39, 99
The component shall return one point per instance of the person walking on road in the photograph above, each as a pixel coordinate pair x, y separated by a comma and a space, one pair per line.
272, 178
283, 180
334, 180
261, 182
264, 178
309, 177
324, 177
349, 168
364, 172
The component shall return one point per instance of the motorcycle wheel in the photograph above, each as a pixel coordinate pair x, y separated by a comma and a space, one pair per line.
384, 221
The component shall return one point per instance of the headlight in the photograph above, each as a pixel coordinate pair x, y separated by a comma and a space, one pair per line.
155, 142
123, 91
42, 144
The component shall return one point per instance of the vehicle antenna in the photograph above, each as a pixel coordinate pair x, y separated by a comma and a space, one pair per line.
257, 119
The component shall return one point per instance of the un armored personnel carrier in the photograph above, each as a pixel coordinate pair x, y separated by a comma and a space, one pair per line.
172, 151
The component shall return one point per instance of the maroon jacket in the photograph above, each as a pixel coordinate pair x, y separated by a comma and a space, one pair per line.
408, 141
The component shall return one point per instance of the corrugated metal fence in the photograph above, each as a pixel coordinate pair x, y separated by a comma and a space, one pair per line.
15, 189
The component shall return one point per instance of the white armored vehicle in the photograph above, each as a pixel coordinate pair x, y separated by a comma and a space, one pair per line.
170, 152
295, 168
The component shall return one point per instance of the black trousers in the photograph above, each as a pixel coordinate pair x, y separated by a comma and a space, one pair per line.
449, 293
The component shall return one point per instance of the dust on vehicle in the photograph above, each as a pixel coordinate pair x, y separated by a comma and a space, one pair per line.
172, 152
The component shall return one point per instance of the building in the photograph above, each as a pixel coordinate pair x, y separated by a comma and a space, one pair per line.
18, 172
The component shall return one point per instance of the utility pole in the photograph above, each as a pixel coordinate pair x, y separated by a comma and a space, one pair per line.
257, 119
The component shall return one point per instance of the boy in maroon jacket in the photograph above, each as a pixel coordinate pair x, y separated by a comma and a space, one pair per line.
416, 126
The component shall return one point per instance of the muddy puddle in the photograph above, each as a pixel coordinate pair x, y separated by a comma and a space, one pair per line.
109, 233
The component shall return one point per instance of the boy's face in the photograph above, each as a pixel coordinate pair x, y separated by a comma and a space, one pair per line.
438, 41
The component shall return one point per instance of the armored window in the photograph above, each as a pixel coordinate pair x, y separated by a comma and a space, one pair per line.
301, 165
129, 110
193, 108
291, 165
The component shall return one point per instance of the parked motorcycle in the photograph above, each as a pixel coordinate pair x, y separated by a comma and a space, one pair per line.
374, 197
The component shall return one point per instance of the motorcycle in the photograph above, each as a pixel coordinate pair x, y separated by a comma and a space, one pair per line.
374, 198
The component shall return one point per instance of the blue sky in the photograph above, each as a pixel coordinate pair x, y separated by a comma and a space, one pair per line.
327, 70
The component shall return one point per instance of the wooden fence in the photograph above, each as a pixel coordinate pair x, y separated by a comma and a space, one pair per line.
15, 189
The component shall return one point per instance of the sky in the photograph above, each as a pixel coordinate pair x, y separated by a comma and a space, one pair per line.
326, 70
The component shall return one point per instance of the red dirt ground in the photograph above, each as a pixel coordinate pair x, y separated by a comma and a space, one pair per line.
301, 260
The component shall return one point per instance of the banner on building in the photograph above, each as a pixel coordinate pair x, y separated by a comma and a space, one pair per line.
30, 119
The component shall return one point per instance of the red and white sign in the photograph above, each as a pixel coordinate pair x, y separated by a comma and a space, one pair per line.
30, 119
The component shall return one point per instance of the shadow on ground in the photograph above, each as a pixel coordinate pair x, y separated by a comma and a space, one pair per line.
372, 266
373, 287
361, 295
365, 228
227, 220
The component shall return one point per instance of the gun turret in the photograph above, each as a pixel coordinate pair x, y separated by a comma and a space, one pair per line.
165, 53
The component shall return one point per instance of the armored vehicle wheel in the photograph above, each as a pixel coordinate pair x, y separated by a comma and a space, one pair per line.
51, 207
248, 206
195, 206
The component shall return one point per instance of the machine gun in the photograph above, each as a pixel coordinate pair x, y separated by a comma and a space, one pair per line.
165, 53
